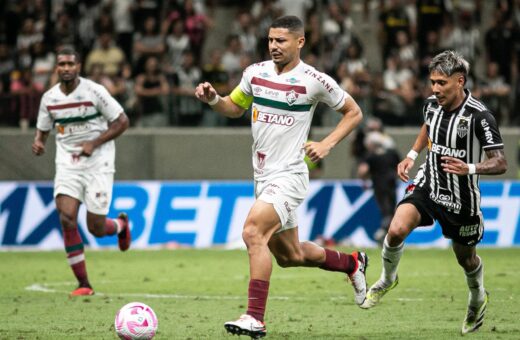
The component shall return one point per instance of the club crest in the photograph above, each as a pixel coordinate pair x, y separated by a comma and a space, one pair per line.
291, 97
462, 128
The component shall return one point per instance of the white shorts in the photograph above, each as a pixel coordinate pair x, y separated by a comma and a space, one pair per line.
94, 189
285, 193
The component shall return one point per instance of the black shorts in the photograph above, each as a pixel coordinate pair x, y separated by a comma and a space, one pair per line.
463, 229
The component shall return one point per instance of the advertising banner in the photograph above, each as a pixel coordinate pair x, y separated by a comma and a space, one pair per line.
211, 213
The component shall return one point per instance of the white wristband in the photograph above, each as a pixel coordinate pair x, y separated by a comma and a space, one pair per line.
214, 100
472, 169
412, 154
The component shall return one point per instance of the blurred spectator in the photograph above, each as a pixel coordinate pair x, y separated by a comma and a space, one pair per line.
392, 19
148, 42
107, 54
406, 52
177, 41
187, 108
28, 36
263, 13
231, 56
87, 13
215, 73
122, 15
26, 95
494, 92
125, 91
151, 88
63, 32
500, 44
104, 23
430, 16
380, 166
426, 55
43, 65
7, 65
97, 74
244, 28
464, 37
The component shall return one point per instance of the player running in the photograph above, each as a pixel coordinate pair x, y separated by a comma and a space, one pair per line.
87, 119
284, 93
458, 130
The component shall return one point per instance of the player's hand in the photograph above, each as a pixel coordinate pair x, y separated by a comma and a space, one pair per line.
403, 167
87, 148
316, 151
38, 148
205, 92
454, 166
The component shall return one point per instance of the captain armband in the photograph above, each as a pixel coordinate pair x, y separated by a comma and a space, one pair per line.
240, 98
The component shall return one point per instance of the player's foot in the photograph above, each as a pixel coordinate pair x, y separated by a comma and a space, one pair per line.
82, 291
246, 325
377, 291
358, 278
124, 237
475, 317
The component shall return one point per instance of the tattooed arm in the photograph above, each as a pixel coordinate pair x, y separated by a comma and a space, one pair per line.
495, 164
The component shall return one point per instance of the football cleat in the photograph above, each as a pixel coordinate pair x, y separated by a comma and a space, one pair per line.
124, 237
376, 293
82, 291
475, 317
358, 278
246, 325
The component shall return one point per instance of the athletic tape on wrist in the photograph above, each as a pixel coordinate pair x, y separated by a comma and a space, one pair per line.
412, 154
214, 100
472, 169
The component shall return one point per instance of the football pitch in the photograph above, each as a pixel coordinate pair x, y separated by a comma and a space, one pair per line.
193, 292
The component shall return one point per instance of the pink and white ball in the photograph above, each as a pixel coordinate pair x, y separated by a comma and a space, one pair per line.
136, 321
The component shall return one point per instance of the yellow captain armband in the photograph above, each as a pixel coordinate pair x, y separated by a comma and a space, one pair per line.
240, 98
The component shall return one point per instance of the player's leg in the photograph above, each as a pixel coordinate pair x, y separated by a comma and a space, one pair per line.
405, 219
98, 195
290, 252
68, 211
260, 225
478, 297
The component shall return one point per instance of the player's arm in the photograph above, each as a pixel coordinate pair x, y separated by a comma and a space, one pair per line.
38, 146
494, 164
407, 163
232, 106
115, 129
352, 116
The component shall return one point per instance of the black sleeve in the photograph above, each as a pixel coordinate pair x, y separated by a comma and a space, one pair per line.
486, 130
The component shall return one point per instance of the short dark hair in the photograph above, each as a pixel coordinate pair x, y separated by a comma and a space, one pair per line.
68, 51
290, 22
449, 63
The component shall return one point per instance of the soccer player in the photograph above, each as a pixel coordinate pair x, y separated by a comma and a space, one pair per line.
87, 119
458, 130
284, 92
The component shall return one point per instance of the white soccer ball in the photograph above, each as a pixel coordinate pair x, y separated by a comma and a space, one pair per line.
136, 321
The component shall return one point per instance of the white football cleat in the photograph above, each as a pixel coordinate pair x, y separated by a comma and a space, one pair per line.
246, 325
358, 278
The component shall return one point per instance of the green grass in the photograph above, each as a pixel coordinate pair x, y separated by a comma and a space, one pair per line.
194, 292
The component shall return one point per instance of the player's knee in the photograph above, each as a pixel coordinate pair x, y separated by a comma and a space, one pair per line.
469, 263
67, 220
96, 229
395, 236
251, 235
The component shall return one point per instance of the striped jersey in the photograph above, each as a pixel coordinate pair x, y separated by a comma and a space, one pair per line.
281, 115
465, 133
80, 116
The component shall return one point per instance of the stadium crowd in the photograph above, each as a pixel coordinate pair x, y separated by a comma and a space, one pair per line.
149, 54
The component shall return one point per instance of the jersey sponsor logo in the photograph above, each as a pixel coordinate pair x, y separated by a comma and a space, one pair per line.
445, 198
292, 80
462, 128
257, 90
487, 131
272, 118
319, 77
272, 93
469, 230
446, 151
291, 97
264, 75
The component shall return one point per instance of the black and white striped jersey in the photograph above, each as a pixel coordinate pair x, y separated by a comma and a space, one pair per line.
465, 133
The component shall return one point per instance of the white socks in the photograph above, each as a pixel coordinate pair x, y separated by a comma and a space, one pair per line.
475, 280
391, 257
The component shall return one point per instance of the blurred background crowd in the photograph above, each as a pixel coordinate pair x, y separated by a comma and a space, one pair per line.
151, 54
